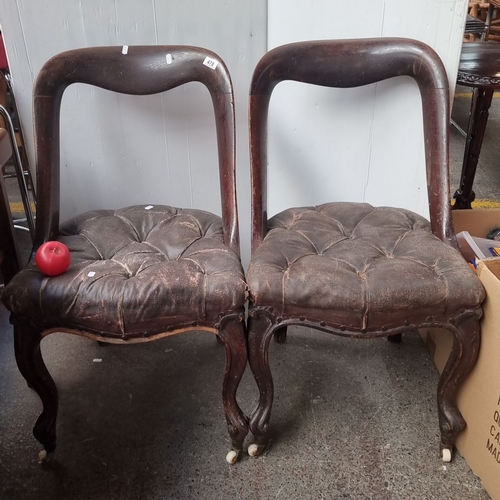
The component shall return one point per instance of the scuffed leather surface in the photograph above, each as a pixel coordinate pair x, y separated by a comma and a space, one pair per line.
353, 264
153, 269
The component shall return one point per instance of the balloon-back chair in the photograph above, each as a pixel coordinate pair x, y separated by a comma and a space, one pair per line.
139, 273
349, 268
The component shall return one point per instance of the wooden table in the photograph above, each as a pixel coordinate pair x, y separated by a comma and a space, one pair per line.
479, 68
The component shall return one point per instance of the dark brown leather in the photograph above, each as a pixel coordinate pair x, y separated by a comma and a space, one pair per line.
153, 269
356, 265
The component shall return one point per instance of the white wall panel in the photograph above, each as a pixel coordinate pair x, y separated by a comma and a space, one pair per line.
119, 150
362, 144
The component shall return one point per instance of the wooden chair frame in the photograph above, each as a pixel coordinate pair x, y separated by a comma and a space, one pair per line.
337, 63
142, 70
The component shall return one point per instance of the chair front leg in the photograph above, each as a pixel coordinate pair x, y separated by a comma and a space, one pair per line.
233, 336
467, 335
260, 329
29, 360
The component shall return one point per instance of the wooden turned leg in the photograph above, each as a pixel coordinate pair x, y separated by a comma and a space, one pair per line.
259, 335
478, 118
30, 363
467, 334
232, 334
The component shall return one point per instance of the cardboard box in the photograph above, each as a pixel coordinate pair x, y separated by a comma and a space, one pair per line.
479, 397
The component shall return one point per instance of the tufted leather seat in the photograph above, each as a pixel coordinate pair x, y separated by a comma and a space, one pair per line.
372, 267
143, 272
348, 268
176, 258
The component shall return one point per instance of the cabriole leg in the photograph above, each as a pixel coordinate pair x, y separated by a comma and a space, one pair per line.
30, 363
232, 334
462, 358
259, 335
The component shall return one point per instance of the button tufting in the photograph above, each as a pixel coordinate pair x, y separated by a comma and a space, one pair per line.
137, 253
373, 264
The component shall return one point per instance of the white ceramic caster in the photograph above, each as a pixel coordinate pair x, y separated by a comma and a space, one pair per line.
253, 450
446, 455
44, 457
232, 457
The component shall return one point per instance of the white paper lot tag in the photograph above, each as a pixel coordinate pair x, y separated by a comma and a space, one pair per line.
211, 63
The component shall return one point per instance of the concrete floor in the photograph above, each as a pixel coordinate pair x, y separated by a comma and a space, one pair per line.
351, 419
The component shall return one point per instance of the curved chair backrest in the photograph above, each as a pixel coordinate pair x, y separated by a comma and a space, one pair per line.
140, 70
353, 63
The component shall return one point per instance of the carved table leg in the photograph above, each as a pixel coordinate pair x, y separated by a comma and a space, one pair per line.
259, 335
30, 363
232, 334
481, 102
462, 358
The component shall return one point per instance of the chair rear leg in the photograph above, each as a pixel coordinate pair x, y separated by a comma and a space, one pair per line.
233, 336
280, 335
30, 363
467, 333
395, 339
259, 336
